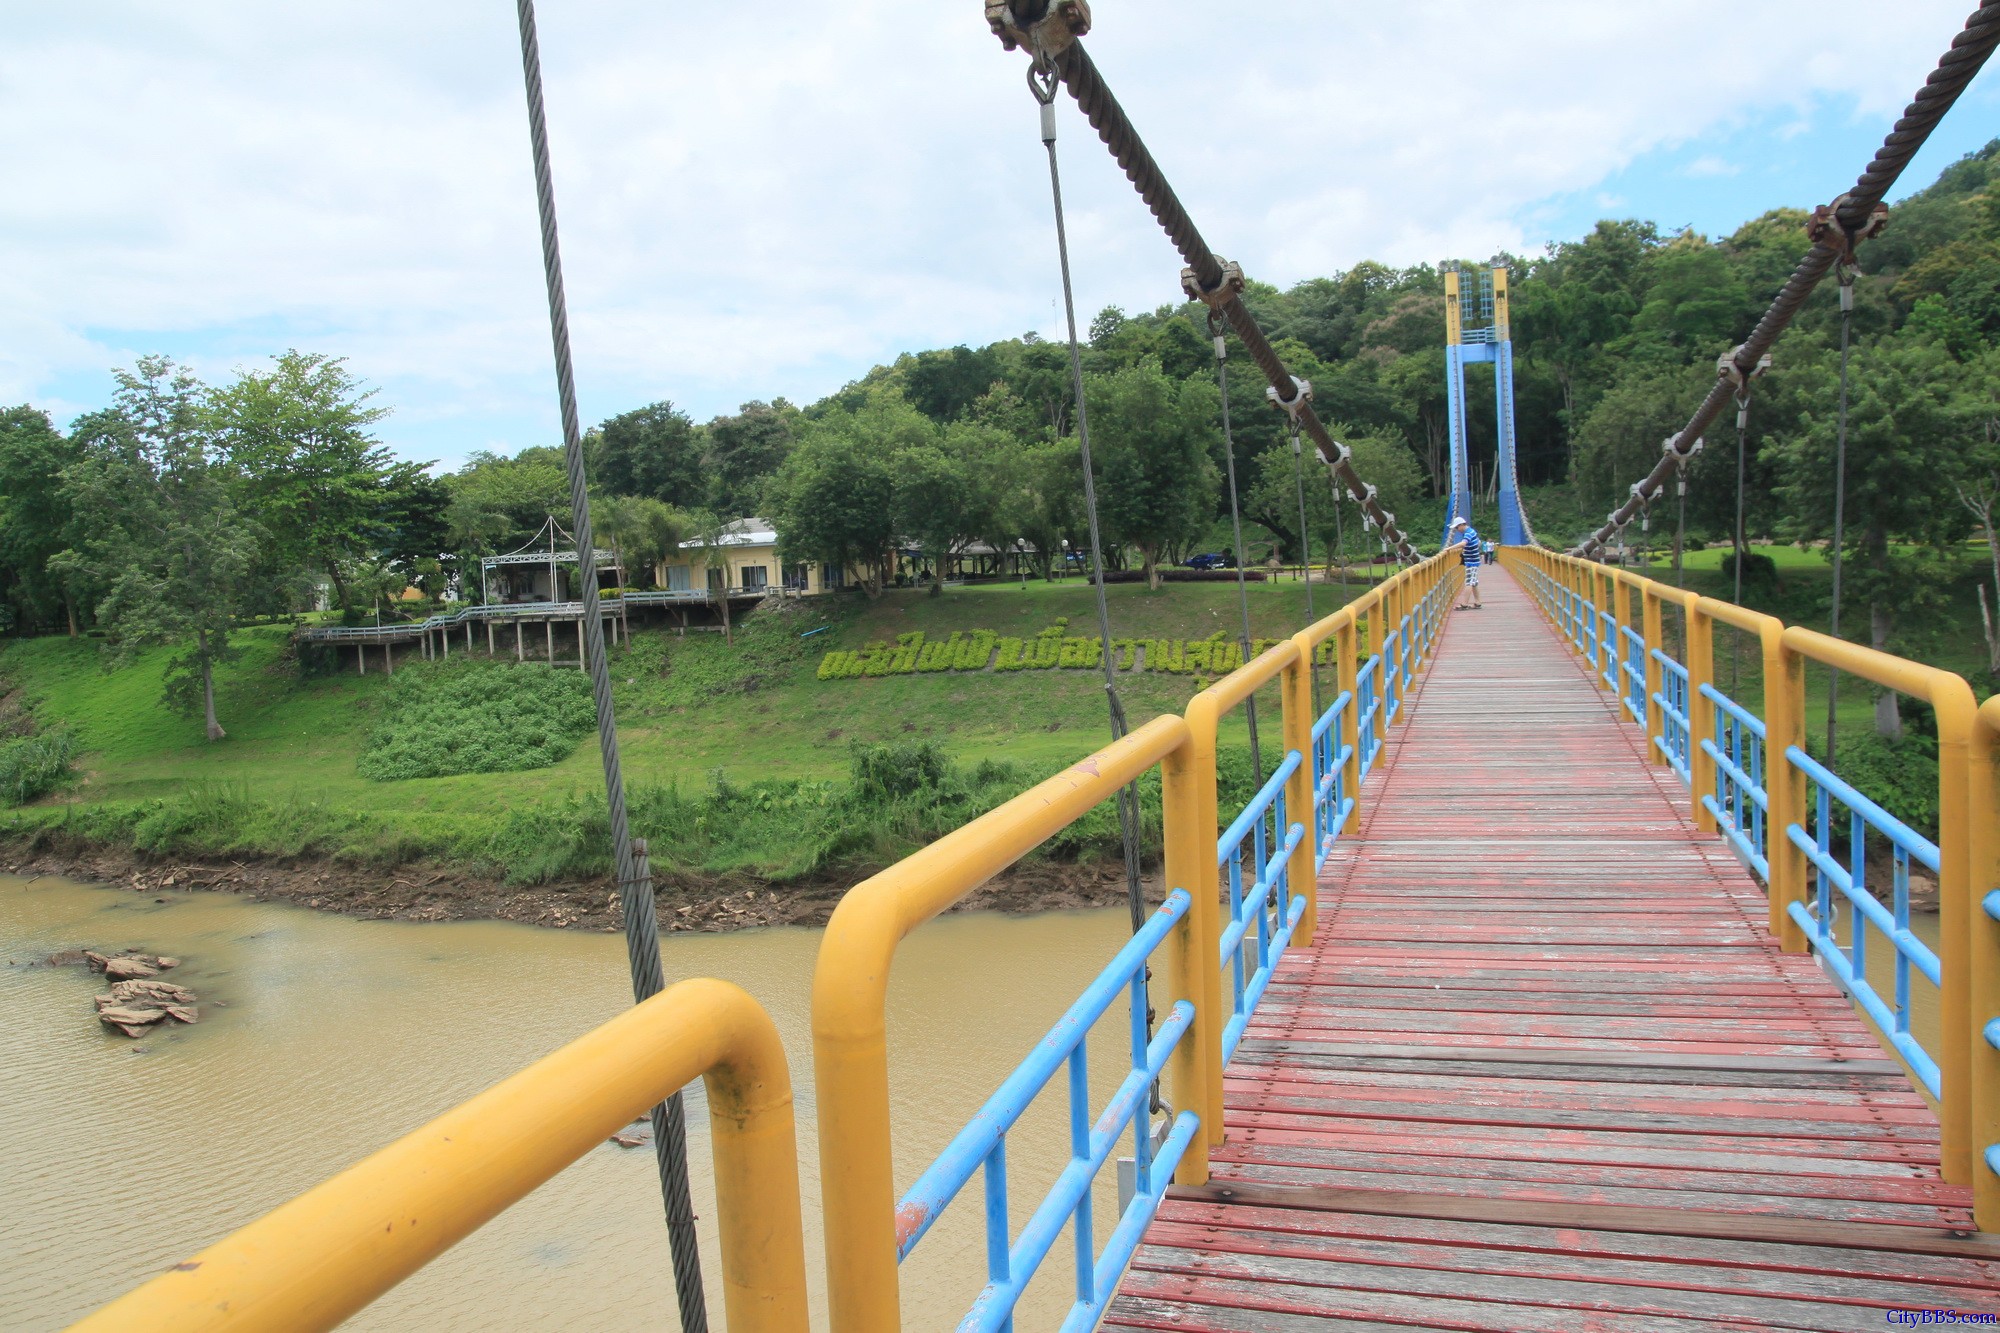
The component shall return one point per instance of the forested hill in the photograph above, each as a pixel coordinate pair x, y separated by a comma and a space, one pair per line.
1616, 335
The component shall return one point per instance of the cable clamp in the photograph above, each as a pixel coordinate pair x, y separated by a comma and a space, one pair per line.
1227, 289
1728, 368
1045, 27
1682, 457
1825, 228
1344, 455
1302, 392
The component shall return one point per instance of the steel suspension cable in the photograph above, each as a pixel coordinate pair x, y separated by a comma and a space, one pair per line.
1042, 82
1221, 337
1049, 30
1839, 501
1853, 216
635, 883
1742, 544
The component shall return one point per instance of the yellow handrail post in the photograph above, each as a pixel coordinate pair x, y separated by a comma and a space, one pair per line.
1299, 804
314, 1262
1701, 712
1983, 853
1204, 716
1784, 785
1599, 579
1347, 663
1189, 863
1656, 642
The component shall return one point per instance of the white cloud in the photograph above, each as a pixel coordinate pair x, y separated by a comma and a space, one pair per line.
768, 197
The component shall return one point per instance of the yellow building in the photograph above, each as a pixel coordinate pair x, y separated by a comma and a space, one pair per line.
751, 553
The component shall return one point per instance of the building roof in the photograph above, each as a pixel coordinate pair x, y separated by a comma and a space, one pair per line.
743, 532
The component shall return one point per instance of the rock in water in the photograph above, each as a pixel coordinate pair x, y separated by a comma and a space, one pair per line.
132, 1021
151, 992
129, 969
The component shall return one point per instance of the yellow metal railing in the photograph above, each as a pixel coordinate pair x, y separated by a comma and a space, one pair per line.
850, 983
320, 1258
1968, 813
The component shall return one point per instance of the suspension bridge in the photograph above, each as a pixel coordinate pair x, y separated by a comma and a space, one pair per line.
1544, 983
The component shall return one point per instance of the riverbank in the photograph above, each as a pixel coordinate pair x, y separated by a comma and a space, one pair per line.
423, 892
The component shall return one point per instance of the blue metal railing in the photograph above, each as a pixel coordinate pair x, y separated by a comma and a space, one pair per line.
1632, 673
1266, 901
982, 1145
1849, 963
1367, 682
1606, 640
1332, 802
1675, 728
1739, 801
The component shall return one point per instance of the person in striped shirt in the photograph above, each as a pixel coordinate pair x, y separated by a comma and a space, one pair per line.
1471, 551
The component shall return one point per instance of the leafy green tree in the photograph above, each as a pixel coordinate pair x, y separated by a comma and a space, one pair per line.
944, 385
296, 437
653, 451
1914, 415
159, 531
1382, 459
498, 503
34, 517
745, 451
642, 531
711, 530
834, 501
1151, 440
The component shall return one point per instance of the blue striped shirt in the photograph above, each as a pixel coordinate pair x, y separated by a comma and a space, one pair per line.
1470, 548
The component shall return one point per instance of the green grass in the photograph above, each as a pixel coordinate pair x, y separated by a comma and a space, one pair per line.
471, 716
740, 754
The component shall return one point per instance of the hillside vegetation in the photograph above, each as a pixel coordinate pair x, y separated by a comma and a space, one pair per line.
738, 756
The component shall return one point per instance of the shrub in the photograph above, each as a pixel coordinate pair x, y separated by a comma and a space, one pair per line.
33, 766
1759, 570
1899, 775
478, 717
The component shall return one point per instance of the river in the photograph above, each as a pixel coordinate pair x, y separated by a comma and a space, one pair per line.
323, 1038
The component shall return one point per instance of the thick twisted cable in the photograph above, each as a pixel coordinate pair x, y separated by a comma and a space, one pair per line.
635, 890
1964, 59
1093, 97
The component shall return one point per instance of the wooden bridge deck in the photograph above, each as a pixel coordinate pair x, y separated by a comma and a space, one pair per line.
1543, 1068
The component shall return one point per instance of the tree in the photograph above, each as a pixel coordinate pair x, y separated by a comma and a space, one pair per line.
297, 439
642, 531
937, 505
34, 517
1911, 407
746, 450
652, 451
711, 530
834, 501
1151, 441
1384, 462
1980, 494
160, 534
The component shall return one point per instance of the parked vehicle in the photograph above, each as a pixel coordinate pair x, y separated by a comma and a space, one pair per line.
1210, 560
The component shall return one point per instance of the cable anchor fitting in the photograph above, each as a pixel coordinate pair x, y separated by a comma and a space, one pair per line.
1728, 367
1226, 290
1825, 228
1302, 392
1045, 27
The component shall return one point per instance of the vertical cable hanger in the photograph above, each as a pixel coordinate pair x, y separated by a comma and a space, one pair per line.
635, 880
1218, 330
1846, 276
1043, 82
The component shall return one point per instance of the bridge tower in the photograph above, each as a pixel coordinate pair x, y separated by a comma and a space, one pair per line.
1476, 329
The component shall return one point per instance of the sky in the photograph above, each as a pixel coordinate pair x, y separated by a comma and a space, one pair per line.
768, 197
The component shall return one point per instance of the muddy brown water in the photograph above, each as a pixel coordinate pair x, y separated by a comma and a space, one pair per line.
334, 1036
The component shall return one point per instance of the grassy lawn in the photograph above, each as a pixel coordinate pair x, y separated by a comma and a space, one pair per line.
690, 708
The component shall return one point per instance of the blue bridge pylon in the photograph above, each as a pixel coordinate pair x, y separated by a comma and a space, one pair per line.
1476, 329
